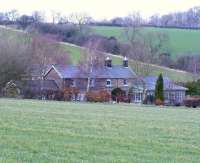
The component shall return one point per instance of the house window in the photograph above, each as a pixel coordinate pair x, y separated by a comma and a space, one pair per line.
92, 82
125, 82
108, 83
171, 95
137, 97
179, 95
73, 83
166, 95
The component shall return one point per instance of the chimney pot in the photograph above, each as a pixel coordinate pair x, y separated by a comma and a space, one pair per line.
108, 62
125, 62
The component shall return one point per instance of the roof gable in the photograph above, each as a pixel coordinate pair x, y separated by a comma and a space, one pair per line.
114, 72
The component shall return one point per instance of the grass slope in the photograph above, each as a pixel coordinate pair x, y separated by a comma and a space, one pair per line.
37, 131
75, 55
181, 41
176, 75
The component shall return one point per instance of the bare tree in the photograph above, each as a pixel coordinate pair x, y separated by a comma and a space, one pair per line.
46, 51
135, 38
80, 20
143, 46
14, 56
55, 16
92, 60
13, 15
38, 16
133, 24
63, 20
154, 20
154, 45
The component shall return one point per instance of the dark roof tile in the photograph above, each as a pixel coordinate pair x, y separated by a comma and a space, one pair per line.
115, 71
168, 84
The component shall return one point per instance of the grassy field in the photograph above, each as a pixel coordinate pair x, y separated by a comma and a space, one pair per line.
181, 41
38, 131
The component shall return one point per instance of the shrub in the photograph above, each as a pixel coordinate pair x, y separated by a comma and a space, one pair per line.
192, 102
119, 95
159, 88
193, 88
28, 94
158, 102
11, 90
98, 96
69, 93
59, 96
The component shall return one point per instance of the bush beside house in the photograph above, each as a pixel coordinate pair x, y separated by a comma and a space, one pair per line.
98, 96
192, 102
11, 90
159, 93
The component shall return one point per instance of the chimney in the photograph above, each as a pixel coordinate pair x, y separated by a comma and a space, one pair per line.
125, 62
108, 62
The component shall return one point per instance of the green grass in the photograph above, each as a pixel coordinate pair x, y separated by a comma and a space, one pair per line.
181, 41
73, 51
37, 131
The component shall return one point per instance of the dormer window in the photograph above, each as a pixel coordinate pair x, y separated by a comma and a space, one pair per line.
108, 83
125, 82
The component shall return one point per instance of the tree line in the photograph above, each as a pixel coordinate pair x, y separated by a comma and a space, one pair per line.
148, 47
189, 19
185, 19
20, 53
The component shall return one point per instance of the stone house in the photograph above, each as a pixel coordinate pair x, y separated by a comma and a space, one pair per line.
109, 77
113, 78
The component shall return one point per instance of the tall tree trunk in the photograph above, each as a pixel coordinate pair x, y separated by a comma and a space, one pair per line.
88, 84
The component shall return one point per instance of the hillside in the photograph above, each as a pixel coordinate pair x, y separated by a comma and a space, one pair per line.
75, 55
138, 67
181, 41
44, 131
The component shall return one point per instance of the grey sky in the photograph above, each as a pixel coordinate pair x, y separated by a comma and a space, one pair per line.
99, 9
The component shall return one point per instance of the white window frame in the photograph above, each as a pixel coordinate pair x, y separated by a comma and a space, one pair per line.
125, 82
73, 84
109, 80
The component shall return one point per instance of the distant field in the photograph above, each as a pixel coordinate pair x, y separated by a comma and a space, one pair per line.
75, 55
180, 40
176, 75
41, 131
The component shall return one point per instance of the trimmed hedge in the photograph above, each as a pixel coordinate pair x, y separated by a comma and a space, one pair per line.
159, 102
98, 96
192, 102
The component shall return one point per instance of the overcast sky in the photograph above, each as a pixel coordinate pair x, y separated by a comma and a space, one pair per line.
100, 9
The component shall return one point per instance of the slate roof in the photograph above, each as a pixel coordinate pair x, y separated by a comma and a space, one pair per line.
115, 72
36, 69
168, 84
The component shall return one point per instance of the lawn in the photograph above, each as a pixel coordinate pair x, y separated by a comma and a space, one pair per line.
181, 41
39, 131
